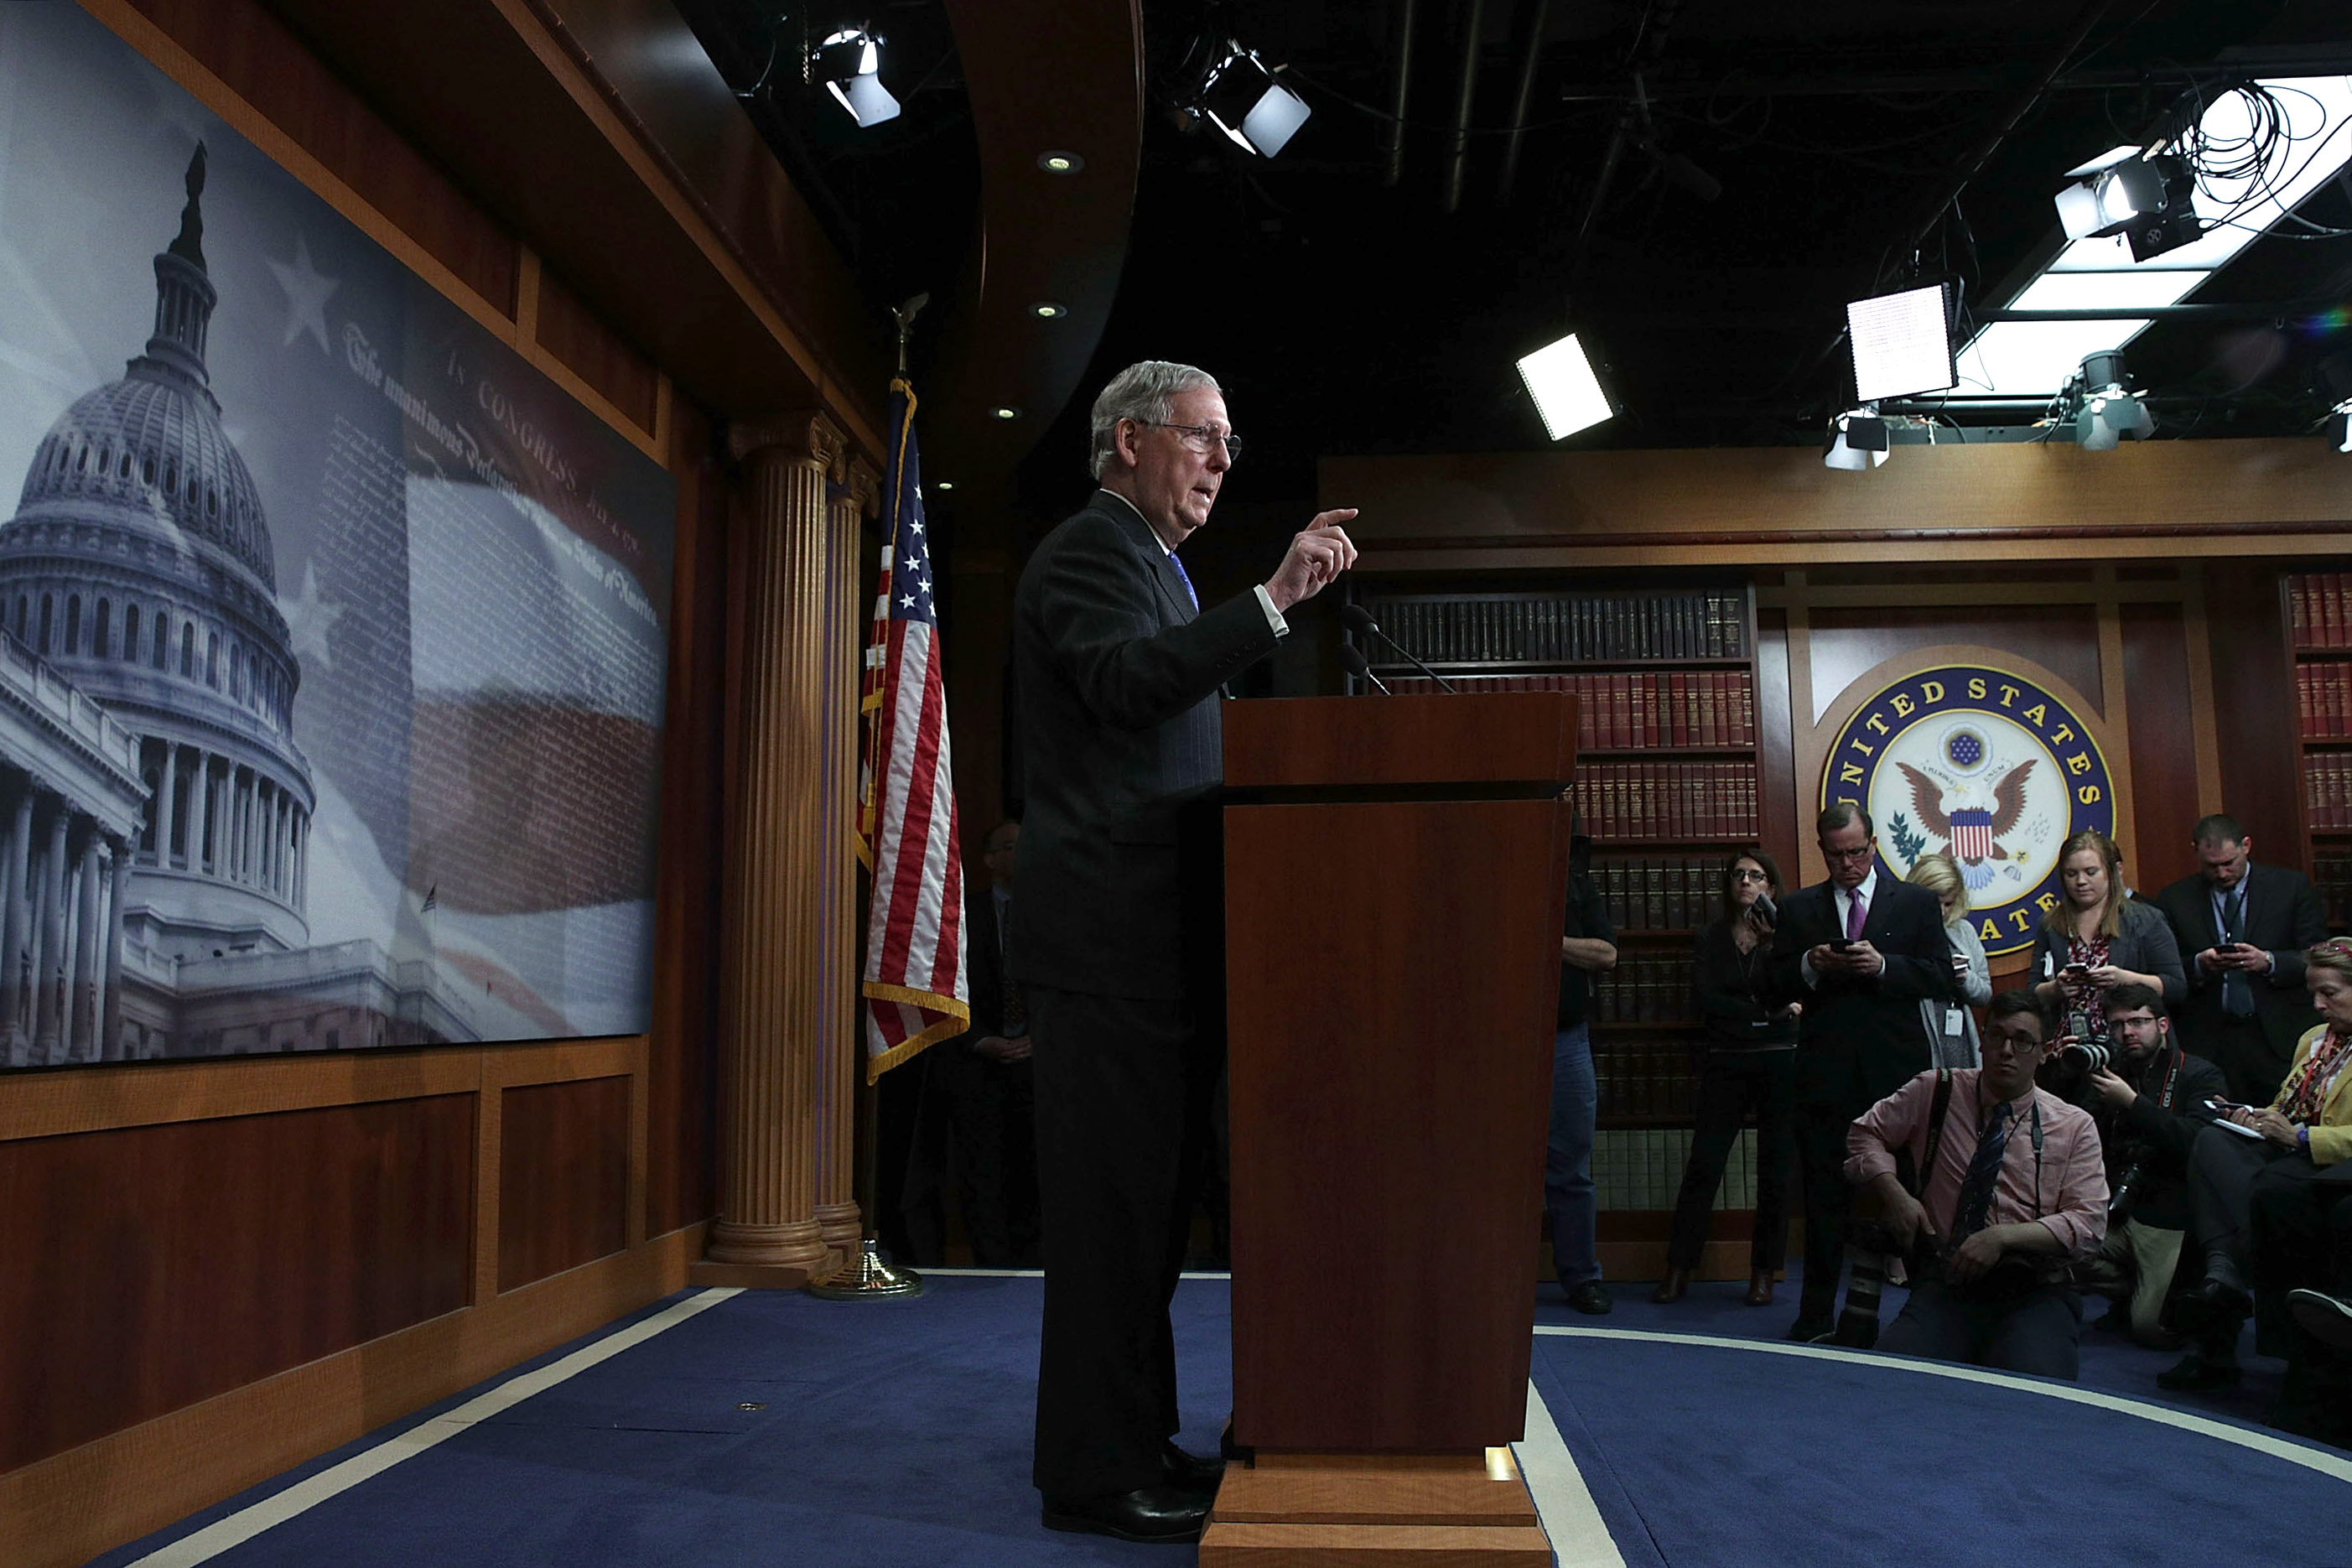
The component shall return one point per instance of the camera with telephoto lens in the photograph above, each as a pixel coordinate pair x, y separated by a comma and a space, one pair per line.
2083, 1051
2127, 1185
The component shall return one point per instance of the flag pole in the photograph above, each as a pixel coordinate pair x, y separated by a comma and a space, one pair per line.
869, 1276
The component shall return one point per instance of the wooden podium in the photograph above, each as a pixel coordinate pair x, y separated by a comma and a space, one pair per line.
1396, 875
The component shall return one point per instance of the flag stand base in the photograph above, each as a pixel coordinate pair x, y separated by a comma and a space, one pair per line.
868, 1278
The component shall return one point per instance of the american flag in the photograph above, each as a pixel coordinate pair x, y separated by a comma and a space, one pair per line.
914, 980
1972, 834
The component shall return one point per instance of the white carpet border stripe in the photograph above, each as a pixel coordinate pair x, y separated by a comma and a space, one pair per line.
242, 1526
1580, 1538
2337, 1466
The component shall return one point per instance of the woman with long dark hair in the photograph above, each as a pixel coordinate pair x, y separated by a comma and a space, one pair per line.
1749, 1062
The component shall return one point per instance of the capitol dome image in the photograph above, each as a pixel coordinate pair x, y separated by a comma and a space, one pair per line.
156, 808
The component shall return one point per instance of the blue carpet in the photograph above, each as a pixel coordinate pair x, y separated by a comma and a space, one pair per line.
897, 1433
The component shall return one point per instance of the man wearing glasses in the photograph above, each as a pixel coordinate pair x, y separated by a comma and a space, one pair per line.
1116, 671
1859, 952
2014, 1190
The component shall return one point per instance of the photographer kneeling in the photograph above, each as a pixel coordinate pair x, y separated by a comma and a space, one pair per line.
2012, 1191
2148, 1098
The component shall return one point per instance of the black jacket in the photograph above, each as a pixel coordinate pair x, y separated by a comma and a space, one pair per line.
1733, 992
1117, 691
1860, 1039
2159, 1134
2283, 916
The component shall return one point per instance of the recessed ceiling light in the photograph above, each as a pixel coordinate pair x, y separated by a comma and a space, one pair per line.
1060, 162
1004, 411
1047, 310
944, 485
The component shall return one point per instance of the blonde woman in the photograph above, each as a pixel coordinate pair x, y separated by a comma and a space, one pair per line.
2097, 937
1952, 1029
2258, 1168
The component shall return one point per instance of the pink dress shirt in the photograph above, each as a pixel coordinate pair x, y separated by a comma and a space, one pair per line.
2072, 1196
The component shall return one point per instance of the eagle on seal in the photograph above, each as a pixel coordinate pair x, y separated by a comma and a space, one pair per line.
1973, 832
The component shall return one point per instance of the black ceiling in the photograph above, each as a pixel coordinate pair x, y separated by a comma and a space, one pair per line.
1853, 149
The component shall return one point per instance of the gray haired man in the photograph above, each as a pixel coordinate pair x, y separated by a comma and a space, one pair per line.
1117, 666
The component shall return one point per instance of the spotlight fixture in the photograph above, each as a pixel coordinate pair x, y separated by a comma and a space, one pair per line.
1902, 343
2149, 201
1060, 162
1004, 411
1243, 99
1567, 394
849, 64
2108, 411
1047, 310
943, 486
1858, 441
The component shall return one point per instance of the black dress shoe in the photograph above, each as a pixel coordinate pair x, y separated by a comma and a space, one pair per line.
2213, 1308
2325, 1318
1809, 1328
2197, 1370
1154, 1515
1591, 1298
1190, 1470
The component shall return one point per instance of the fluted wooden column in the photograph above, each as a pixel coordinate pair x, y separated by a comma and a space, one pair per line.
848, 611
783, 949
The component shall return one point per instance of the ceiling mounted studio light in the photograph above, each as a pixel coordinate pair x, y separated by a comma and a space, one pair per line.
849, 63
2110, 411
1566, 391
1858, 441
2149, 200
1902, 343
1241, 96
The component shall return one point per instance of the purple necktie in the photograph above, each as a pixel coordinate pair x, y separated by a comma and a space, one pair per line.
1854, 912
1184, 577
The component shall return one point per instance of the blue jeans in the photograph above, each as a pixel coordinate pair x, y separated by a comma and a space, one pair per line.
1567, 1158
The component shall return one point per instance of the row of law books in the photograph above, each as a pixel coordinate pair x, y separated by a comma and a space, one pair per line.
1661, 892
2323, 698
1700, 708
1636, 1168
2331, 875
2320, 606
1656, 1077
2327, 792
1566, 628
1666, 800
1644, 988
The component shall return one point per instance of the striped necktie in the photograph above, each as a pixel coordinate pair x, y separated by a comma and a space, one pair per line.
1984, 1175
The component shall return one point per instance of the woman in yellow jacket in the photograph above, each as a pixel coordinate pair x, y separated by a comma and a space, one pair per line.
2271, 1159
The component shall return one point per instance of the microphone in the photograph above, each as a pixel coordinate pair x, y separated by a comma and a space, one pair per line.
1358, 664
1361, 618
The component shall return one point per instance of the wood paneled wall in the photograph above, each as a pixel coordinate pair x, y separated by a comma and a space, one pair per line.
211, 1270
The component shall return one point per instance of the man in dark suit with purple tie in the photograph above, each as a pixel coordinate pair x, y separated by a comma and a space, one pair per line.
1118, 668
1860, 951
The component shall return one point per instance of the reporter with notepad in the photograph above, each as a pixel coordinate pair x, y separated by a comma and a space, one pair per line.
2260, 1158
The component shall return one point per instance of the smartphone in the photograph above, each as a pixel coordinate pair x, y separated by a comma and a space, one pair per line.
1840, 944
2074, 972
2223, 1106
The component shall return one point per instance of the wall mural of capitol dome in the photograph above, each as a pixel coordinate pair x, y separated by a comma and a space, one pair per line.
331, 634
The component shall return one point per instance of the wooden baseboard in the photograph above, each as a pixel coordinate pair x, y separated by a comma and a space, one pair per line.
68, 1509
1372, 1510
703, 1274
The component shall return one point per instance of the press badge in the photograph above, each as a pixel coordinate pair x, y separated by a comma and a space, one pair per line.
1953, 1026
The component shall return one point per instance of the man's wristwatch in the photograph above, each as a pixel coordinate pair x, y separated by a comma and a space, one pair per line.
2303, 1138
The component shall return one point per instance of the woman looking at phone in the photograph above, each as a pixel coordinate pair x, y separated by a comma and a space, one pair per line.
1751, 1060
2096, 937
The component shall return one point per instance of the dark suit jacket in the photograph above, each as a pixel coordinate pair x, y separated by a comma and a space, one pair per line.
1118, 684
953, 1064
1860, 1039
2283, 916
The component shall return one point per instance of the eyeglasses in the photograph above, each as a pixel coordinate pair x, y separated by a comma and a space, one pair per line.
1750, 877
1847, 857
1201, 437
2016, 1042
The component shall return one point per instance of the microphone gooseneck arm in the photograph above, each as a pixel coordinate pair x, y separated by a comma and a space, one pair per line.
1361, 619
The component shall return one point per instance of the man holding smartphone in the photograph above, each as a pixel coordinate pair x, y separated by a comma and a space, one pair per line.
2242, 930
1859, 952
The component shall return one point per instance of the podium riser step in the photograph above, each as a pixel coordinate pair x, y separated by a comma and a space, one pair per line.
1253, 1545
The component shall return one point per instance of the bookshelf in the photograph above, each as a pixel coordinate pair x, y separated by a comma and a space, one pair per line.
1667, 783
2319, 617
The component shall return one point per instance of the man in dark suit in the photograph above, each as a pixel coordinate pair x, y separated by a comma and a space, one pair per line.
1118, 669
1859, 952
2242, 930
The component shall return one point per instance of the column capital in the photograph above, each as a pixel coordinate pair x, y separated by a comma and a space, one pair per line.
809, 438
863, 481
